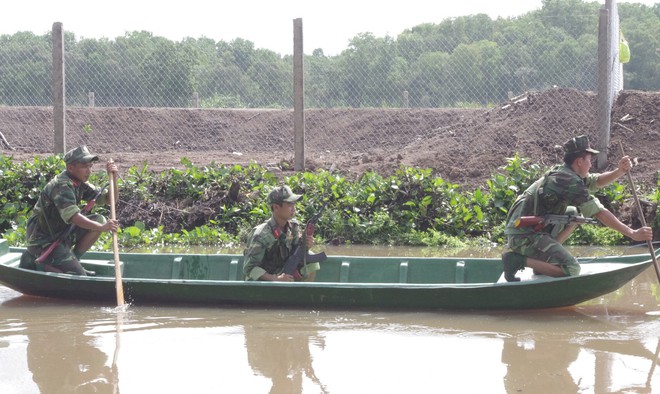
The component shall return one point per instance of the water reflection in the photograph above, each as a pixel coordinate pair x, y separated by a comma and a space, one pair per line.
282, 354
68, 347
561, 366
522, 357
603, 354
61, 354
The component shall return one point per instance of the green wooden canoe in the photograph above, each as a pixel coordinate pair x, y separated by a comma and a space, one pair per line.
402, 283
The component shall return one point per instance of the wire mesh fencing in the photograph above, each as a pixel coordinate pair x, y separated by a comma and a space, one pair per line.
153, 94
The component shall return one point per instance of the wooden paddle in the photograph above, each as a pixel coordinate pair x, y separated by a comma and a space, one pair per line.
118, 283
641, 216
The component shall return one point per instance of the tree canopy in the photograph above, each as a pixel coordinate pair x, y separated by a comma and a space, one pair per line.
468, 60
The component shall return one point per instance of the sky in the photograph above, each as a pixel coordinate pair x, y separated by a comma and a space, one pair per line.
267, 23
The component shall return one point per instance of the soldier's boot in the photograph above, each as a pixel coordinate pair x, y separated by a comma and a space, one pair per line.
511, 263
27, 261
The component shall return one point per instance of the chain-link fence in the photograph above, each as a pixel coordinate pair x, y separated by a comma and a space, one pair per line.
215, 90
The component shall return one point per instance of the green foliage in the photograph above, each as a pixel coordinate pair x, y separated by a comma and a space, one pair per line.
613, 195
413, 206
505, 186
595, 235
433, 238
223, 101
655, 197
20, 186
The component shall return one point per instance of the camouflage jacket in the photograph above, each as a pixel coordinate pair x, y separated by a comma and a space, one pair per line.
57, 204
552, 194
268, 248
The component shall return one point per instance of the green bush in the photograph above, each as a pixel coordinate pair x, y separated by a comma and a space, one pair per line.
413, 206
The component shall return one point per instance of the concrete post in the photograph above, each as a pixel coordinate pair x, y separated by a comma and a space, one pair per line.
59, 91
604, 89
298, 97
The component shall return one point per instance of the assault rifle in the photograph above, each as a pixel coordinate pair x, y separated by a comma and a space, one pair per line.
541, 221
62, 238
301, 255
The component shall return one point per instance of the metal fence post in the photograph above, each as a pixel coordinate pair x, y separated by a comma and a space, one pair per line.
298, 97
59, 92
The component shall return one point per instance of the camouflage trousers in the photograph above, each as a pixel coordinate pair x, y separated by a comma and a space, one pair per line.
63, 257
543, 246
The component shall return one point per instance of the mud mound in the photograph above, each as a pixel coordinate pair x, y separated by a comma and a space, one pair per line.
468, 150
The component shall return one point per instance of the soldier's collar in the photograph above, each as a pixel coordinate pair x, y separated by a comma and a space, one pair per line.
75, 181
276, 229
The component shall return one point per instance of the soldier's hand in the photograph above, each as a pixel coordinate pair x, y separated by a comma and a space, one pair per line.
284, 278
625, 164
642, 234
111, 225
111, 167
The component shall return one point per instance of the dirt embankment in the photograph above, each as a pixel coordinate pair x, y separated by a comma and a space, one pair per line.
462, 145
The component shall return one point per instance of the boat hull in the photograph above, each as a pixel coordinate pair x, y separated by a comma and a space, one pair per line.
542, 292
520, 295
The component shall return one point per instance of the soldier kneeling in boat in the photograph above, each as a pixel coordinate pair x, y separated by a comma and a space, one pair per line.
57, 224
564, 190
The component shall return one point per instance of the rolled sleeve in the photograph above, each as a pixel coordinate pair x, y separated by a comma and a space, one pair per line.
256, 273
592, 182
68, 212
591, 207
103, 198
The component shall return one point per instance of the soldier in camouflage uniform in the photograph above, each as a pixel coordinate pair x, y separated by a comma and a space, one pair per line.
272, 242
58, 207
564, 190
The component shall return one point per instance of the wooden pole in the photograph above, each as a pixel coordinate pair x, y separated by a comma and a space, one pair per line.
641, 217
115, 247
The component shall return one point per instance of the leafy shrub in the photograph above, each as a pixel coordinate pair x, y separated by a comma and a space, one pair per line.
217, 205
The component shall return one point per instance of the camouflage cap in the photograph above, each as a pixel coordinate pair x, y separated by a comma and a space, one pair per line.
282, 194
79, 155
578, 144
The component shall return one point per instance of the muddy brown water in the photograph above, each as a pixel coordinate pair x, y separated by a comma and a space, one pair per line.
609, 344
